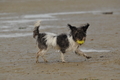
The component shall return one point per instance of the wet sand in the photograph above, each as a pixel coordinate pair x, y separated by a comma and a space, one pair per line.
18, 54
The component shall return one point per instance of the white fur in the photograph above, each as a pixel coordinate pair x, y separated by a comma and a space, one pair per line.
51, 39
72, 44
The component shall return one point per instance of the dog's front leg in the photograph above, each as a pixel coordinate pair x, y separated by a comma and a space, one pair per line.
78, 52
62, 57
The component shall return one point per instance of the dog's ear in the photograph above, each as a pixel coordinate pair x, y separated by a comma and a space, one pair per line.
72, 28
85, 27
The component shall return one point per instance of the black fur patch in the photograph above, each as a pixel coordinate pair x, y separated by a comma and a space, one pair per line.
79, 34
62, 42
42, 41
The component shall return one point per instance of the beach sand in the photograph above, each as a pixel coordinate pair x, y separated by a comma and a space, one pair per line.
18, 52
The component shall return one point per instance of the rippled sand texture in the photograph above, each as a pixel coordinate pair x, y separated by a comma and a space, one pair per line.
18, 48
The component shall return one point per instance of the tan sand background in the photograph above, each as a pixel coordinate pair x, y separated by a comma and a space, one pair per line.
17, 54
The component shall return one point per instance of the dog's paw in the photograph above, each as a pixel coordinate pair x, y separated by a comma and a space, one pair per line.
88, 57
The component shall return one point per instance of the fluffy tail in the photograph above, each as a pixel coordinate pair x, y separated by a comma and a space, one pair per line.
36, 29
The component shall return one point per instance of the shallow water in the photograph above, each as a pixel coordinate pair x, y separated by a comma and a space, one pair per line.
94, 50
25, 22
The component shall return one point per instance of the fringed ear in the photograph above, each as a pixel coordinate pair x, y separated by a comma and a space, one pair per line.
85, 27
72, 28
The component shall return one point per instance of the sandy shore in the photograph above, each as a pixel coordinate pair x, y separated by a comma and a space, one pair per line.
17, 54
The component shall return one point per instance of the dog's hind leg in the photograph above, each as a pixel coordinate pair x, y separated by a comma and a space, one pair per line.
78, 52
40, 53
43, 53
44, 58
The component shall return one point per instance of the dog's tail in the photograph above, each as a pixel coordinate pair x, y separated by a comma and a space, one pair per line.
36, 29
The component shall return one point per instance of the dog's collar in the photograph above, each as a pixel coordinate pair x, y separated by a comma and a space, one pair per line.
80, 42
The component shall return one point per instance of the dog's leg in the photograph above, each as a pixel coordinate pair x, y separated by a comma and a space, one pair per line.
42, 55
44, 58
38, 53
78, 52
62, 57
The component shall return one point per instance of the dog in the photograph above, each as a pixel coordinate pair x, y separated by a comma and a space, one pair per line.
63, 42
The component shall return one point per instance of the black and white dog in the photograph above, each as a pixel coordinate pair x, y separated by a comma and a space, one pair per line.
62, 42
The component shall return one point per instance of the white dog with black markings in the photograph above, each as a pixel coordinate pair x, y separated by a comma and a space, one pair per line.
63, 42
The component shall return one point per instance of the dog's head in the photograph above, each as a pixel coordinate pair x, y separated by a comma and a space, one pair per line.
79, 33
